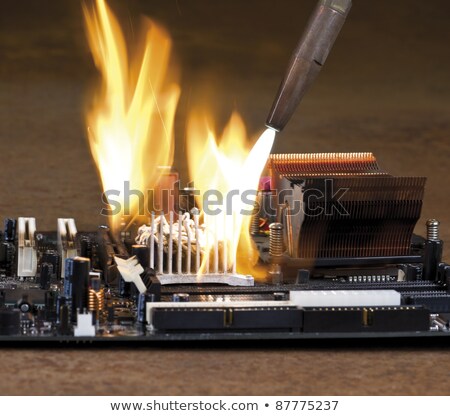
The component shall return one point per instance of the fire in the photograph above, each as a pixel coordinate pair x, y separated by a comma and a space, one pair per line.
130, 130
130, 123
229, 167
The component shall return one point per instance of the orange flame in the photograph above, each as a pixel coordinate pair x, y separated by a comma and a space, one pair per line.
130, 124
230, 167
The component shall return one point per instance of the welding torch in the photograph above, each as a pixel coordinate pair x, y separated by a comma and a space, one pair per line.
306, 62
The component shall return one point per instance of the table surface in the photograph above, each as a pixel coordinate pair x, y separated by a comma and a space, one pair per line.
385, 89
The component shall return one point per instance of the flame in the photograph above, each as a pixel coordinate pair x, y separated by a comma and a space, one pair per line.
130, 124
229, 166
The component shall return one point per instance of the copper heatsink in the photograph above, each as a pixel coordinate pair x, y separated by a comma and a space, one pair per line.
367, 213
294, 165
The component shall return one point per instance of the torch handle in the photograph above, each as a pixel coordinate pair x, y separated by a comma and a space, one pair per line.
310, 54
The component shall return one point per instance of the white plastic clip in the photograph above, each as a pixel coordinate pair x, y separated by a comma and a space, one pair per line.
130, 270
67, 232
27, 256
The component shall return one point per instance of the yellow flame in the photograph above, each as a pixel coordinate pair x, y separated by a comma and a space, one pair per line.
130, 124
229, 166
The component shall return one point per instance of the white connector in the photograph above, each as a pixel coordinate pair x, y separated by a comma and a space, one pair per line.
67, 232
26, 256
130, 270
330, 298
85, 327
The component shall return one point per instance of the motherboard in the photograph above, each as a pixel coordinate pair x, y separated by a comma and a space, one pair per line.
346, 265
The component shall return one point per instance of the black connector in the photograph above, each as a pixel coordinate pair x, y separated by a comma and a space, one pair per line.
370, 319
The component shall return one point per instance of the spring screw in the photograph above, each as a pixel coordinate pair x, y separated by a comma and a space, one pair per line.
254, 225
276, 245
432, 230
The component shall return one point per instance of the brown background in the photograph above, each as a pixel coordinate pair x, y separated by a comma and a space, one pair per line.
385, 88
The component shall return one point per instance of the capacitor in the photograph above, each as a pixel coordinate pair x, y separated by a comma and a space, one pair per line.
142, 303
81, 267
68, 278
9, 321
24, 304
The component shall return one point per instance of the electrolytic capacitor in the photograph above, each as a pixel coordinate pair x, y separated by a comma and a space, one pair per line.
141, 307
24, 304
81, 267
68, 278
